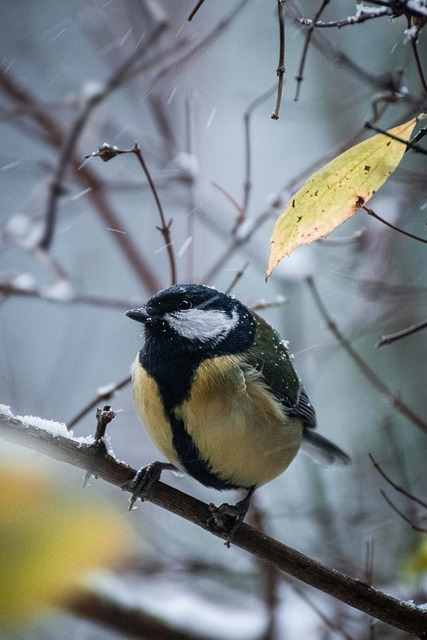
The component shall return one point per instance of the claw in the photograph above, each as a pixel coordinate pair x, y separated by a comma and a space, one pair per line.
238, 511
144, 479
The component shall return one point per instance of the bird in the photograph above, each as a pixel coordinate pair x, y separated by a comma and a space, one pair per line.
218, 393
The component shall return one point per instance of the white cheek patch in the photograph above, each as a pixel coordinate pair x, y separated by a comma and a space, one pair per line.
202, 324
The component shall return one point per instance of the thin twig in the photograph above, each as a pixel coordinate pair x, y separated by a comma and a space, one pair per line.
414, 527
195, 10
355, 593
300, 75
281, 66
238, 242
103, 396
165, 226
236, 278
52, 134
414, 43
360, 17
409, 8
232, 200
403, 333
10, 287
116, 80
372, 213
375, 380
247, 184
397, 487
201, 45
107, 153
410, 144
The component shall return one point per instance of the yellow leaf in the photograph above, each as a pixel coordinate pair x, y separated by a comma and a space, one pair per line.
336, 191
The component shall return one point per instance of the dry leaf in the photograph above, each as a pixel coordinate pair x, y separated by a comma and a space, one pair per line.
337, 191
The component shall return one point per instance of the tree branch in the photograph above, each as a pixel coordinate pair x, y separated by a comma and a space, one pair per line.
281, 66
359, 595
369, 373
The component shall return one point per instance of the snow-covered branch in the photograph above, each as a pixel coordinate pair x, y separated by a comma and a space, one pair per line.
54, 440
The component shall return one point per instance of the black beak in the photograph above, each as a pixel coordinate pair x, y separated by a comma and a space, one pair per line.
140, 315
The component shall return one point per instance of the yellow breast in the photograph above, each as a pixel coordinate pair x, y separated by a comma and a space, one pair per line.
150, 408
236, 423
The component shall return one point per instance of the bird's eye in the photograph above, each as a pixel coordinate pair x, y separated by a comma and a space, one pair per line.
184, 304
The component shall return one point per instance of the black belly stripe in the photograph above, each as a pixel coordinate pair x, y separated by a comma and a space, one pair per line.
174, 383
191, 459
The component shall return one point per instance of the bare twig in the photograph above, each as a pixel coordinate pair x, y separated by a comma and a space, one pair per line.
400, 7
106, 153
375, 380
10, 287
413, 525
281, 66
117, 79
396, 486
103, 396
372, 213
410, 144
414, 43
236, 278
239, 241
359, 18
247, 184
359, 595
195, 10
233, 201
52, 134
403, 333
165, 226
300, 75
218, 29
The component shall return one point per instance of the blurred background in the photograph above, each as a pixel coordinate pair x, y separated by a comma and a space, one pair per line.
80, 244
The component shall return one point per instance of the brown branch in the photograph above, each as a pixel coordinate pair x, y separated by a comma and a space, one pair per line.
360, 17
103, 396
339, 58
236, 278
247, 184
106, 153
395, 486
359, 595
410, 144
407, 7
300, 75
117, 79
195, 10
53, 135
375, 380
372, 213
393, 337
129, 621
11, 287
414, 43
281, 66
414, 527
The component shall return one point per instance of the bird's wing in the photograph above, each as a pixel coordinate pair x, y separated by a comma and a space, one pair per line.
270, 356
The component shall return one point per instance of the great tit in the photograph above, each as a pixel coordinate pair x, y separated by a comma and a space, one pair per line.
216, 388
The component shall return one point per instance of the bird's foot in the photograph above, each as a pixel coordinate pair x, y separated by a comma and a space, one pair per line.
220, 516
144, 479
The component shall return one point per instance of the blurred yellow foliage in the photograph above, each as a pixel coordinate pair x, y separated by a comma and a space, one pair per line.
49, 535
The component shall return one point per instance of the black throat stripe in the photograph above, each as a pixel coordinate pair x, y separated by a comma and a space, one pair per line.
174, 383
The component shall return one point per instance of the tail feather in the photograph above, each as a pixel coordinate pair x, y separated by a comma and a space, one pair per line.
321, 450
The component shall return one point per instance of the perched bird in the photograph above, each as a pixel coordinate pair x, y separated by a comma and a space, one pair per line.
219, 396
